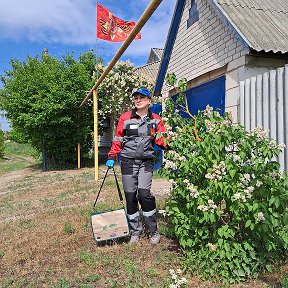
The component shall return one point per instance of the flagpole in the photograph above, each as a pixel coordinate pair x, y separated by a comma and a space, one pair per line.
95, 115
141, 22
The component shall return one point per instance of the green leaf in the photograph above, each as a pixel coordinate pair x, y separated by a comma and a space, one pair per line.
248, 223
232, 173
241, 272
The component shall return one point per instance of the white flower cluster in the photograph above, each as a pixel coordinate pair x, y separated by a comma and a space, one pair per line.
281, 146
177, 156
210, 126
193, 190
245, 179
162, 212
171, 134
226, 123
208, 111
235, 157
178, 280
173, 183
169, 164
260, 217
218, 171
272, 144
247, 190
259, 183
275, 174
209, 208
212, 247
260, 133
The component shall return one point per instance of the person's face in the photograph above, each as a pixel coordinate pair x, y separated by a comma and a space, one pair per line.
141, 101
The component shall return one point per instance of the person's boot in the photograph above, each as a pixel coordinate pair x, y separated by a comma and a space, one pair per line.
134, 239
154, 238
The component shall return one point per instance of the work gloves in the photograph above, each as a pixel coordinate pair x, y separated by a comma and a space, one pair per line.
110, 163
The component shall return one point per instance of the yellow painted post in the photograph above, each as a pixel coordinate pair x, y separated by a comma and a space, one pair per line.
79, 155
95, 110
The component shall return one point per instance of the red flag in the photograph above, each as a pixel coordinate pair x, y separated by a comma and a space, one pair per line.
111, 28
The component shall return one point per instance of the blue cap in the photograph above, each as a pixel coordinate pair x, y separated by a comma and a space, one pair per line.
143, 91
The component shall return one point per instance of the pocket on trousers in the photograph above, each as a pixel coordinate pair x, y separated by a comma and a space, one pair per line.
127, 166
148, 166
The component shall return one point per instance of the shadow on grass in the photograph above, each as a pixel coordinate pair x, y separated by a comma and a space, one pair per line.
112, 242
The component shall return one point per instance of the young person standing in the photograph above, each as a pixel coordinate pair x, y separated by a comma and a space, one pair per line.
137, 132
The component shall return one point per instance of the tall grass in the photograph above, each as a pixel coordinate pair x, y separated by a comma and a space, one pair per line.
18, 156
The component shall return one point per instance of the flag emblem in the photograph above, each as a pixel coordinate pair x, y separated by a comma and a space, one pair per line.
111, 28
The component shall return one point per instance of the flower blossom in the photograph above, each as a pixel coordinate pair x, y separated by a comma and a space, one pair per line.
258, 183
178, 281
218, 171
210, 126
162, 212
208, 111
177, 156
260, 133
210, 208
170, 165
211, 246
236, 157
281, 146
260, 217
193, 191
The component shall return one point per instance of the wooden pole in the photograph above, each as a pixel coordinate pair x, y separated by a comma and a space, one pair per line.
79, 155
95, 111
141, 22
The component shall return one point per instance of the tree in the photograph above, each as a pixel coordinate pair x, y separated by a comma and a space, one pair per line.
41, 97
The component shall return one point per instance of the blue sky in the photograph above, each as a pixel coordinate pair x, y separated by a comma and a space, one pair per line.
29, 26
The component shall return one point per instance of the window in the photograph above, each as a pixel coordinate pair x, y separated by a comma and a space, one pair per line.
193, 14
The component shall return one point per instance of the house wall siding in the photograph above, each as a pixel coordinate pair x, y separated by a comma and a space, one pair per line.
206, 45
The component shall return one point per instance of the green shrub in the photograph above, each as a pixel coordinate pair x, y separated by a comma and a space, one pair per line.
228, 202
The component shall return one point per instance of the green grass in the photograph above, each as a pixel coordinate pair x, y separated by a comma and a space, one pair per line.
14, 148
17, 156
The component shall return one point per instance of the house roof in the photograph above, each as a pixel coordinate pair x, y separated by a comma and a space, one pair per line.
149, 71
261, 23
155, 55
158, 52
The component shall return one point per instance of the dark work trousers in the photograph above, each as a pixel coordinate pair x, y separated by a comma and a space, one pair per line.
137, 179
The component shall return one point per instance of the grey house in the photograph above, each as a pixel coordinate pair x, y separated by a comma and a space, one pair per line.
215, 44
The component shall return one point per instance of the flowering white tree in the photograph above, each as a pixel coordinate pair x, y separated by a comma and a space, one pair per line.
115, 91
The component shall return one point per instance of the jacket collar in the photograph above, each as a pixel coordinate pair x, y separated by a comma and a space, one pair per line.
135, 115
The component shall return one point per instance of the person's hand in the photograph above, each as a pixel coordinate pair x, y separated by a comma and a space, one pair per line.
110, 163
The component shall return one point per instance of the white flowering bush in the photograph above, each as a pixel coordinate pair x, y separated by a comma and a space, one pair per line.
177, 279
228, 204
115, 91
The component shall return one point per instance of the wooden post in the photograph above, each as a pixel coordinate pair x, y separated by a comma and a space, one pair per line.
79, 155
95, 111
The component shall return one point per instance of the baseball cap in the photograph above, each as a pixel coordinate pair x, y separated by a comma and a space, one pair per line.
143, 91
